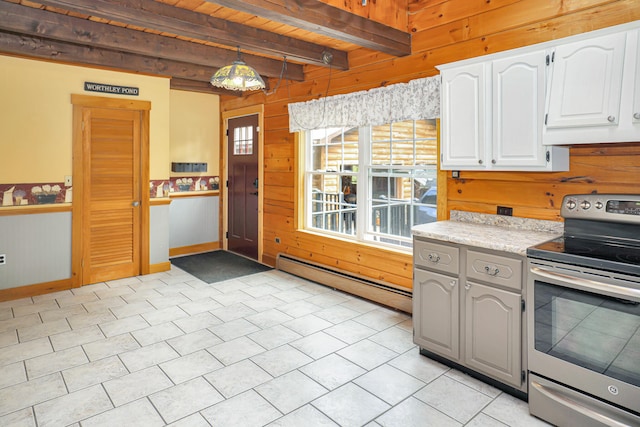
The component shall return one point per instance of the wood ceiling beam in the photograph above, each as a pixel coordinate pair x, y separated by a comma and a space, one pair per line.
35, 47
174, 20
40, 23
203, 87
322, 18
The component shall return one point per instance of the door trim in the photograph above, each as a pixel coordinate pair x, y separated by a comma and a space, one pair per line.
80, 102
224, 172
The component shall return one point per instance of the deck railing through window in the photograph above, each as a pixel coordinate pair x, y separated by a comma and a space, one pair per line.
393, 218
330, 212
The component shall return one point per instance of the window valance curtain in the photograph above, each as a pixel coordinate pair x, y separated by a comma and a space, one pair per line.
415, 100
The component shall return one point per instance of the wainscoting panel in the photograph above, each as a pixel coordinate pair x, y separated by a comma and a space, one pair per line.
37, 248
193, 220
159, 234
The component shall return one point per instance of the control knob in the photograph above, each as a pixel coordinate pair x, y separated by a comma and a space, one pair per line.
585, 204
571, 204
599, 205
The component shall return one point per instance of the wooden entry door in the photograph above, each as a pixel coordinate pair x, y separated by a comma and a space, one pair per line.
109, 205
243, 185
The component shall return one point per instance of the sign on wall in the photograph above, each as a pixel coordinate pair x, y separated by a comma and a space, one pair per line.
107, 88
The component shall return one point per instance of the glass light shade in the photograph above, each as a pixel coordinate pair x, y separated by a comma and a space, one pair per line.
237, 76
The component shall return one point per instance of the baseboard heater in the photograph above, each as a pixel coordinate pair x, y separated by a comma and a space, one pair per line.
373, 290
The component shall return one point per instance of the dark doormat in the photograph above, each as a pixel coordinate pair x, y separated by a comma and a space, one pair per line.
217, 266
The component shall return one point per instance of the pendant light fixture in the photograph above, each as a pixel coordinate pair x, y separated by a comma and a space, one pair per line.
238, 76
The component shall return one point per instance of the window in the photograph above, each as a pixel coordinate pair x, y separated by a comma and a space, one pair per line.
243, 141
371, 183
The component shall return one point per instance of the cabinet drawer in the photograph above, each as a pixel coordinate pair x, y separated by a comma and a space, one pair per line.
495, 269
436, 257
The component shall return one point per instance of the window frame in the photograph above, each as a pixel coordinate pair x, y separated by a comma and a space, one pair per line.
364, 232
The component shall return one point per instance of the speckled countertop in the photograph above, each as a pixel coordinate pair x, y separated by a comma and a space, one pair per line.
497, 232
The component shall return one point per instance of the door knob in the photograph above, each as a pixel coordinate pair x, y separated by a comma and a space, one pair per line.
135, 204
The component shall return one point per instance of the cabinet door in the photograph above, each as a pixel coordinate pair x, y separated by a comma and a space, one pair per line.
518, 110
492, 332
586, 82
463, 117
435, 313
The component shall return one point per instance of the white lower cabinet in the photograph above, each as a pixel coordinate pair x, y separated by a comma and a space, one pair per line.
472, 316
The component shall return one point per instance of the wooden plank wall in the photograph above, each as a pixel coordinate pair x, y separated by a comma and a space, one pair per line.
443, 31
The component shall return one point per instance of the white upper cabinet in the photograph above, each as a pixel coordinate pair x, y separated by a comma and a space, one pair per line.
492, 116
586, 83
518, 111
463, 122
594, 91
514, 110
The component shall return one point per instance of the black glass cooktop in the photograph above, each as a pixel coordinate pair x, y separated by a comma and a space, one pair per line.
622, 257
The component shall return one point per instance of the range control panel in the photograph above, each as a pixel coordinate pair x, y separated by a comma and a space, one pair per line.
602, 207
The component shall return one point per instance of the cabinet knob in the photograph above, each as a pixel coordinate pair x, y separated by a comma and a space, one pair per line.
491, 271
636, 116
434, 258
480, 161
493, 161
611, 119
467, 286
452, 283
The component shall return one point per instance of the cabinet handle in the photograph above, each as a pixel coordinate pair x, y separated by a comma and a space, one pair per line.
636, 116
491, 271
611, 119
434, 258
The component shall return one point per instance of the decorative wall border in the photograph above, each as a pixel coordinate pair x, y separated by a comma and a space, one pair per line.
47, 193
34, 194
162, 188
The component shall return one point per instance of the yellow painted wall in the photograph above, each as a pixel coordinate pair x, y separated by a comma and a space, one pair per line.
195, 130
36, 117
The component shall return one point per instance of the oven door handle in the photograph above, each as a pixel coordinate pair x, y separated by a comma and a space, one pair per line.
590, 285
571, 404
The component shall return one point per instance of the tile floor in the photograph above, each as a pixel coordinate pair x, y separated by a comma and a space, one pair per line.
266, 349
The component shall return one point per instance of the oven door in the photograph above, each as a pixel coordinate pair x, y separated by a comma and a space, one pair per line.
584, 331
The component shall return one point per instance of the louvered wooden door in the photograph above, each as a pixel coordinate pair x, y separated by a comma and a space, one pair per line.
110, 206
111, 196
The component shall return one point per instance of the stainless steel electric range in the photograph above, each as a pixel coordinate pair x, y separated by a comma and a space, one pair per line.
584, 328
